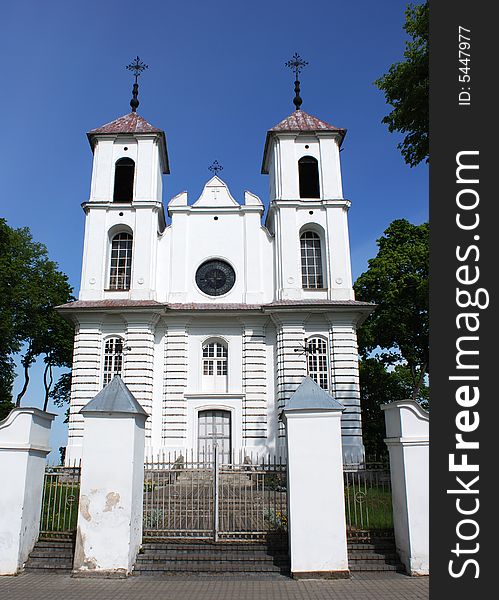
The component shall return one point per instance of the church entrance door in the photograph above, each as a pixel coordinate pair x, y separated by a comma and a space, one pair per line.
214, 430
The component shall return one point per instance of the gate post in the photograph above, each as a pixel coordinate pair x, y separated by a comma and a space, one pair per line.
316, 499
24, 445
407, 428
109, 530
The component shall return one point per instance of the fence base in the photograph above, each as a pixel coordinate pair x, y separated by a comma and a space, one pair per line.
321, 575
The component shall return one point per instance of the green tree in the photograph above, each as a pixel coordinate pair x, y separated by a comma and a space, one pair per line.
406, 88
378, 386
31, 286
397, 281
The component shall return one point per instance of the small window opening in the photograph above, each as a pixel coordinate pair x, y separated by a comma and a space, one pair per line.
318, 361
308, 172
113, 359
123, 180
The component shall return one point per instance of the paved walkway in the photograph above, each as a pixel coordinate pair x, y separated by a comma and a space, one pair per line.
48, 586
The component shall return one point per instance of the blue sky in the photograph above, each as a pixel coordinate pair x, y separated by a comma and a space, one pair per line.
216, 82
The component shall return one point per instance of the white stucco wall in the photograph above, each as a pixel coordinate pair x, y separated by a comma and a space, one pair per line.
407, 430
24, 446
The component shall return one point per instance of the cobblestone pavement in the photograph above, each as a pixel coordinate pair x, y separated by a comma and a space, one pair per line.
52, 586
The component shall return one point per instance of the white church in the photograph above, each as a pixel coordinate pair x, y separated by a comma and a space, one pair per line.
211, 313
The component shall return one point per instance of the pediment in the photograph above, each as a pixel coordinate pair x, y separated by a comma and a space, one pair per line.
215, 194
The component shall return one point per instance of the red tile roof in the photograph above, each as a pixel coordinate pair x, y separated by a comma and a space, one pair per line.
299, 121
130, 123
302, 121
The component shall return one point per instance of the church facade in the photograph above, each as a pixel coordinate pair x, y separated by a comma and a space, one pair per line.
213, 316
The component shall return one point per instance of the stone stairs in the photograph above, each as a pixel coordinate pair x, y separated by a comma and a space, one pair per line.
377, 554
53, 554
204, 557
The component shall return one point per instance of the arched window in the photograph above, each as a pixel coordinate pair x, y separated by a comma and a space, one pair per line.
317, 361
308, 173
215, 366
311, 260
121, 261
124, 173
113, 359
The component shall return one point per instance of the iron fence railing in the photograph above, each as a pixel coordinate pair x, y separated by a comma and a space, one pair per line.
61, 491
368, 500
190, 496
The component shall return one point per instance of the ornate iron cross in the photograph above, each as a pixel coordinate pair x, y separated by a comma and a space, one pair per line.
296, 64
136, 67
215, 168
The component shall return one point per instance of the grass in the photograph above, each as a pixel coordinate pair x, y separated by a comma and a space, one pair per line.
60, 506
368, 508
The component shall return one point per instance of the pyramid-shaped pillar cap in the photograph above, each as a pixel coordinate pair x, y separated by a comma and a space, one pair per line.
114, 398
311, 397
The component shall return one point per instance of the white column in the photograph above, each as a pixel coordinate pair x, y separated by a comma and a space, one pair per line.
24, 445
291, 365
316, 501
407, 430
254, 383
174, 421
109, 530
346, 388
138, 367
85, 379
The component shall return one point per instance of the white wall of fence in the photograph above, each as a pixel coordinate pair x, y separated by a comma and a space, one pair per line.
24, 446
407, 431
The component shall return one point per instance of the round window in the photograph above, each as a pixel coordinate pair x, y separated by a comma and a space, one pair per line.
215, 277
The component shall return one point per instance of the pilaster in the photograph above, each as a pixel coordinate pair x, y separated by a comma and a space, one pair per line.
85, 379
175, 384
254, 380
138, 362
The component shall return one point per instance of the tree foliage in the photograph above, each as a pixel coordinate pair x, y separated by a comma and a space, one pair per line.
378, 386
31, 286
397, 281
406, 88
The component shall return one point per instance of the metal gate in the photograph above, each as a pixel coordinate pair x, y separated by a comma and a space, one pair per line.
368, 501
204, 497
61, 491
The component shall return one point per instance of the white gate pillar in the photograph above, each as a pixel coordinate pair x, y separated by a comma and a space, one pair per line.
316, 500
24, 445
109, 530
407, 431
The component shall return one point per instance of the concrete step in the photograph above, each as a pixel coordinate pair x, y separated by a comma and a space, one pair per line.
209, 567
51, 554
169, 557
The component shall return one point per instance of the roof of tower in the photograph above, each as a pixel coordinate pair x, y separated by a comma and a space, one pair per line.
300, 122
132, 123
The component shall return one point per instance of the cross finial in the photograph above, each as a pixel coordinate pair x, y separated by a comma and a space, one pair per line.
296, 64
136, 66
215, 168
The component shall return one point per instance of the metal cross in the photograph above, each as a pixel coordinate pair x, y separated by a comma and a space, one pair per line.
137, 66
296, 64
215, 167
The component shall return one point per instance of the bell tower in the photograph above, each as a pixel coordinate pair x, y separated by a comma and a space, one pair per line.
307, 212
124, 212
